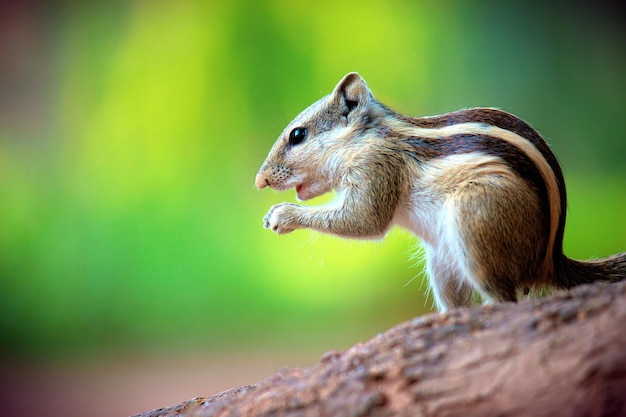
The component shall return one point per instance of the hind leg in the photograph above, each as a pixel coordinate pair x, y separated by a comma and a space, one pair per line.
449, 288
498, 223
455, 293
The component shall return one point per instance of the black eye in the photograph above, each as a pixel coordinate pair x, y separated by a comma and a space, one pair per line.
297, 135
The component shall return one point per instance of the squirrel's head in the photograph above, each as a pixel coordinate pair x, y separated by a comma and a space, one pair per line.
311, 152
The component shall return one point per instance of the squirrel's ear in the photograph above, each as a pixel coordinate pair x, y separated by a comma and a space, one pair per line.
352, 90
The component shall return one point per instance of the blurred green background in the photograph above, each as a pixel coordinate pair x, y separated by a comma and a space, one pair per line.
130, 134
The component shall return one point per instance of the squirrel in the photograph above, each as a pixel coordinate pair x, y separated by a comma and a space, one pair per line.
480, 188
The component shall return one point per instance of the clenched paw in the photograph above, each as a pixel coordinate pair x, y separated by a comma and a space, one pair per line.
281, 218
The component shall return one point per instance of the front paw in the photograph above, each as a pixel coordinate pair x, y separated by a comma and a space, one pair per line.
281, 218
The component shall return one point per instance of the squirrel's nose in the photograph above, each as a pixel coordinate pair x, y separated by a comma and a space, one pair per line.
260, 181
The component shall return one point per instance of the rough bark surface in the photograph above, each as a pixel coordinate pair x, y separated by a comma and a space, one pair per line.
563, 355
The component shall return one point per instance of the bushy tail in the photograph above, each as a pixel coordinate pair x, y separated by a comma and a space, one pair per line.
572, 272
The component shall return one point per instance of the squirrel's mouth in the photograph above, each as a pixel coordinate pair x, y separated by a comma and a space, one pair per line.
303, 192
308, 190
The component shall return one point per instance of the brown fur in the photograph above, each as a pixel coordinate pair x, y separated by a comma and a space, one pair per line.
480, 187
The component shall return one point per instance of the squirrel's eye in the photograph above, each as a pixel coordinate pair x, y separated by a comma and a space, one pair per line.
297, 135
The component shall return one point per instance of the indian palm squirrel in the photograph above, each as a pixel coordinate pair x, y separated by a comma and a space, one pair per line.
480, 188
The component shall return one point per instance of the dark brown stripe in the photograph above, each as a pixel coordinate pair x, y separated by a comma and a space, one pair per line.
507, 121
520, 163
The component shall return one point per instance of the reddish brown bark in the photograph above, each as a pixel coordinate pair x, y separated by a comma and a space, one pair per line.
563, 355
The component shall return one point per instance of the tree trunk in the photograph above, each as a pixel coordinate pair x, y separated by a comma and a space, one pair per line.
563, 355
